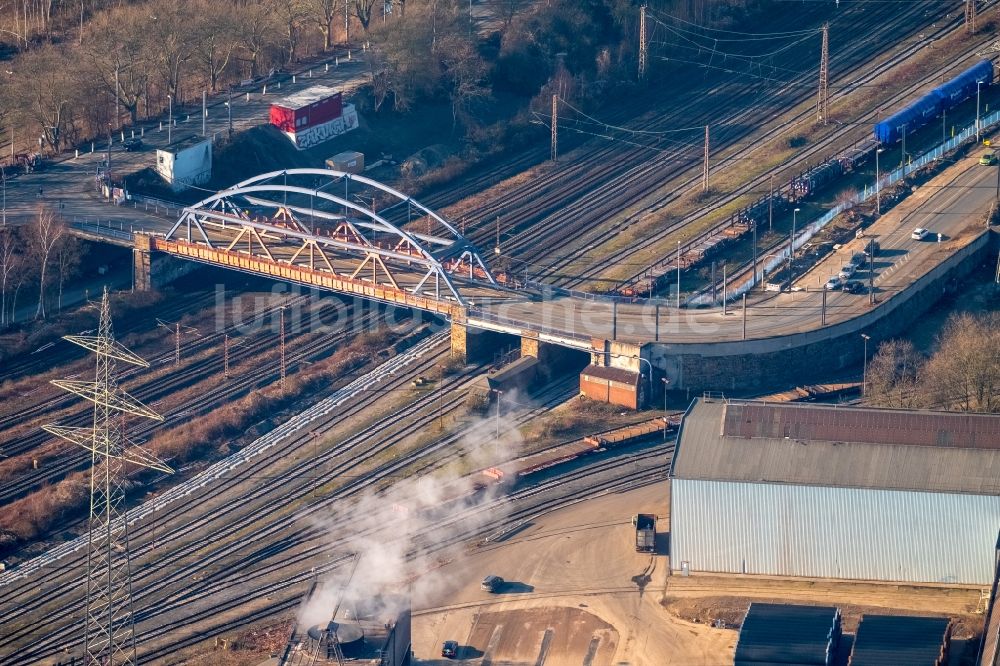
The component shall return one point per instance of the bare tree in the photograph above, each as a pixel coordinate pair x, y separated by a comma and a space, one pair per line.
46, 232
170, 43
255, 27
893, 375
292, 14
47, 89
118, 51
964, 372
506, 10
363, 10
214, 40
323, 13
11, 259
464, 72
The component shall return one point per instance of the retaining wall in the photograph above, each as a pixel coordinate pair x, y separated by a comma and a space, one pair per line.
805, 357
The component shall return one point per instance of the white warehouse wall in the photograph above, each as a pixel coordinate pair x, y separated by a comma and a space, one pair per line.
824, 532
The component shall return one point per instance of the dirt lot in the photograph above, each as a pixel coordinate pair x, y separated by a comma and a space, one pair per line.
577, 593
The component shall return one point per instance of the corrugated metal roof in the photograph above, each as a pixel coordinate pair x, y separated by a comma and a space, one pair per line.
824, 532
890, 640
788, 634
833, 447
869, 426
613, 374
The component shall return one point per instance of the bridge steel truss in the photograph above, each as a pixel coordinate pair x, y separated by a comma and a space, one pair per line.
378, 249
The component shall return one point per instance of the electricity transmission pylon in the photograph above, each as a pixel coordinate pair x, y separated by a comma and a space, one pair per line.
110, 630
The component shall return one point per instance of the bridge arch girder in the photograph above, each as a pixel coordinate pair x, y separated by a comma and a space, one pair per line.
442, 257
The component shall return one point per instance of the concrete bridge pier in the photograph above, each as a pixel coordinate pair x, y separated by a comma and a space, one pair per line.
475, 344
151, 269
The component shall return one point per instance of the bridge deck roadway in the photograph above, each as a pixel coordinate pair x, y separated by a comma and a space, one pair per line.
953, 203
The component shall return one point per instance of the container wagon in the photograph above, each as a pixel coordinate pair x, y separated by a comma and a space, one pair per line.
943, 98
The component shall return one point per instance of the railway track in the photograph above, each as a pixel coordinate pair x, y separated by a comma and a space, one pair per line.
689, 180
54, 399
201, 564
823, 148
157, 389
252, 467
528, 503
250, 586
31, 363
544, 221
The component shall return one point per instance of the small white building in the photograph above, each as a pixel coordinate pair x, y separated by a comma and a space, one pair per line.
186, 162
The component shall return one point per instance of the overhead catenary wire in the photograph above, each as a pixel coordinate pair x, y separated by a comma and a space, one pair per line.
786, 33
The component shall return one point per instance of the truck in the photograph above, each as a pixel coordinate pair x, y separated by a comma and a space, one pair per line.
645, 532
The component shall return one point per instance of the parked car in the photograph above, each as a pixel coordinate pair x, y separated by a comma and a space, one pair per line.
449, 649
846, 271
855, 287
988, 159
833, 283
133, 144
492, 583
919, 233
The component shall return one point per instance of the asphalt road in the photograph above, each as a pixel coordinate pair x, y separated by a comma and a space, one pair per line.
952, 204
70, 185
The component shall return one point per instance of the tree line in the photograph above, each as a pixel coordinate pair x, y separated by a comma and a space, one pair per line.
86, 67
963, 373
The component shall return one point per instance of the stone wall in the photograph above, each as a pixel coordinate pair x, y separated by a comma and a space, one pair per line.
808, 357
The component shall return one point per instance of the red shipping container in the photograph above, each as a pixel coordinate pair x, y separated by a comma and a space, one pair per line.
308, 108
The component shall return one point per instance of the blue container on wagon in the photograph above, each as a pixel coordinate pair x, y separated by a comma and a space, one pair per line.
943, 98
908, 119
964, 86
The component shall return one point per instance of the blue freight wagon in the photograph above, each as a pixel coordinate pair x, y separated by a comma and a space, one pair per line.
964, 86
908, 119
943, 98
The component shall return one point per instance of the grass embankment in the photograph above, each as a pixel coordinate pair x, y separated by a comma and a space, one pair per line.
51, 507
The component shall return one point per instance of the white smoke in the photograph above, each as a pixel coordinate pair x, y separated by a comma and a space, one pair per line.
403, 534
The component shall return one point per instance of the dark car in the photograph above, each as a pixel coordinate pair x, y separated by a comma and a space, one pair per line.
449, 649
855, 287
132, 145
492, 584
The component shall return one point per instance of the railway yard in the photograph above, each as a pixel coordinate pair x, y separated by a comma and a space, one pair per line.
324, 403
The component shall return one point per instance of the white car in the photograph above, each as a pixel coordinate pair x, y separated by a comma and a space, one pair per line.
833, 283
919, 233
847, 271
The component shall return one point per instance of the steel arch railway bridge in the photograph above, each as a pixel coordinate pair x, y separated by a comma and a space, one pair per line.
320, 227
